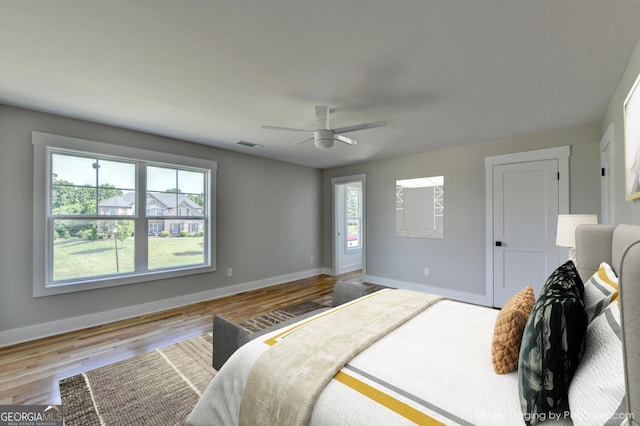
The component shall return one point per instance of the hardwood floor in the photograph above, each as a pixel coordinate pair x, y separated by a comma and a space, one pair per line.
29, 372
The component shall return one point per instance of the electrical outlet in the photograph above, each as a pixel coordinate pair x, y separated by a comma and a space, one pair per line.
426, 272
229, 272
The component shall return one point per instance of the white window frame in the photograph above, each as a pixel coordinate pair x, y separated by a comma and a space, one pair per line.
43, 241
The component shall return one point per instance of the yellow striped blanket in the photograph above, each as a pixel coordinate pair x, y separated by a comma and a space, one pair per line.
286, 380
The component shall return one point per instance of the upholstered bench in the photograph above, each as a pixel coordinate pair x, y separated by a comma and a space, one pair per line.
228, 336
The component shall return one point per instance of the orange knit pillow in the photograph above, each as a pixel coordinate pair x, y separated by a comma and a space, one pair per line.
507, 334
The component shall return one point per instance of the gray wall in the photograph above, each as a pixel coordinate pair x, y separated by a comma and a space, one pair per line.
273, 216
268, 221
457, 262
624, 211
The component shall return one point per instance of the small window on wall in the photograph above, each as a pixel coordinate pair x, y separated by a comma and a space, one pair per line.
420, 207
108, 215
353, 202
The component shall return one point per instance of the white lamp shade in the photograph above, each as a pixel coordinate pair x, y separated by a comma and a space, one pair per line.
567, 224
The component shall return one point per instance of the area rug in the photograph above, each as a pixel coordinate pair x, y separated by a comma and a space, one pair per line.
157, 388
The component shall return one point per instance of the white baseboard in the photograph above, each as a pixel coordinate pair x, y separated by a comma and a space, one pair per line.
350, 268
327, 271
476, 299
37, 331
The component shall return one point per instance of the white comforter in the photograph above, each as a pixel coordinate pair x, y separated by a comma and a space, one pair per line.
434, 369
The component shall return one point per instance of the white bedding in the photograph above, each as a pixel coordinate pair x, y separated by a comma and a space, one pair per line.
436, 367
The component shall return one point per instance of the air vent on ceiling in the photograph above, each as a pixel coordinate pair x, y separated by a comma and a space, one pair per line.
249, 144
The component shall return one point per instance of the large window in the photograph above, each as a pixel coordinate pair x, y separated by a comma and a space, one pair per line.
108, 215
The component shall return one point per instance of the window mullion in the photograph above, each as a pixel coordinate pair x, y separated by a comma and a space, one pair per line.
141, 221
96, 166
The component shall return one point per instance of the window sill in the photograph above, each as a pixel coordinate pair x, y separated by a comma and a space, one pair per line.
105, 282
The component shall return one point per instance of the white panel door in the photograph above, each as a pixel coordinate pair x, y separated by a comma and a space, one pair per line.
525, 214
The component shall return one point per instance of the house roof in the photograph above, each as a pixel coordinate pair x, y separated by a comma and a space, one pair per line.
442, 73
116, 202
171, 201
167, 199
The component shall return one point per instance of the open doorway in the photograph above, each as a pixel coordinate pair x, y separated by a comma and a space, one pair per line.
348, 224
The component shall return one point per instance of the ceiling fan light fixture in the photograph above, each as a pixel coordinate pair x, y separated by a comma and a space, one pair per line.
324, 143
323, 138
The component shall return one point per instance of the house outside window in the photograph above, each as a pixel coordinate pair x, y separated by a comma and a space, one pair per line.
87, 223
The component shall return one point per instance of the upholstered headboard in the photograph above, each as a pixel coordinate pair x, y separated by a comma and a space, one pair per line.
618, 245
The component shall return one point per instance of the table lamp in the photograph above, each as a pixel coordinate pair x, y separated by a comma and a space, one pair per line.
566, 233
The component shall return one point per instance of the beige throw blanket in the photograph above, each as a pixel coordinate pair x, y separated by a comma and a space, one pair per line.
286, 380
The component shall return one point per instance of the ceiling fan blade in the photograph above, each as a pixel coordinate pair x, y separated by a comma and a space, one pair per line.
362, 126
308, 139
322, 115
289, 129
345, 139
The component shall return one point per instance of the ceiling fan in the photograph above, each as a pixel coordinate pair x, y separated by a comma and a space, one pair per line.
324, 136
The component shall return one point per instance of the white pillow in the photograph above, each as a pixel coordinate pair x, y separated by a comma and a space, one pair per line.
600, 290
597, 391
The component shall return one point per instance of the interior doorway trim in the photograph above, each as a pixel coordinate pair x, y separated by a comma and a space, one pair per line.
561, 154
334, 223
607, 151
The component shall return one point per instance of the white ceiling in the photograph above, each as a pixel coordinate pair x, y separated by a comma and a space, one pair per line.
441, 72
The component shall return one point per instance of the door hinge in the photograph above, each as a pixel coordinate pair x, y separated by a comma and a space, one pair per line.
603, 171
558, 175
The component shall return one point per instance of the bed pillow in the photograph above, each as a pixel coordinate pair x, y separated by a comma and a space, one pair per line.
597, 391
552, 344
600, 290
507, 333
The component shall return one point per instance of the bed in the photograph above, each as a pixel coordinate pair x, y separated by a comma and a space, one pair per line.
432, 360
